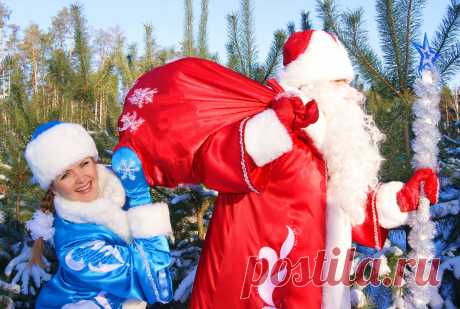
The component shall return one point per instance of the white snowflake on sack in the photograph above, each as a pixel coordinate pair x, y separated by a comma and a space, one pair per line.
142, 96
131, 122
128, 169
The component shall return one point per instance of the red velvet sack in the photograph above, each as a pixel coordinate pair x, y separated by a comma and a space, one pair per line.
177, 106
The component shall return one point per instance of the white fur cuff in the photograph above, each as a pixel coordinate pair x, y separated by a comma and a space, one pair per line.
266, 138
390, 216
149, 220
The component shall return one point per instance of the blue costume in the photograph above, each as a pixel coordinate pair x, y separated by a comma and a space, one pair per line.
108, 255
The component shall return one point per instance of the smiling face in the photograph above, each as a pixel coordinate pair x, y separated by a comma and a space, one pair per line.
79, 182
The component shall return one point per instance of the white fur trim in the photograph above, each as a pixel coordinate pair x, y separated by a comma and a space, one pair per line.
110, 185
105, 210
317, 131
324, 60
149, 220
57, 148
292, 92
266, 138
134, 304
338, 235
41, 225
390, 216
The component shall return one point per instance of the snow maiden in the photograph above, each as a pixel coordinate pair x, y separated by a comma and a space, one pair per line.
107, 258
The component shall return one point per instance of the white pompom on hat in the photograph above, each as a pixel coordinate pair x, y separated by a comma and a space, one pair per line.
54, 147
314, 56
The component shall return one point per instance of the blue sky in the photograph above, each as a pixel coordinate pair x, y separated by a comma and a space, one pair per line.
167, 17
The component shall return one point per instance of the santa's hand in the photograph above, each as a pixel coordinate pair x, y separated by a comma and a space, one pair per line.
25, 269
293, 114
409, 196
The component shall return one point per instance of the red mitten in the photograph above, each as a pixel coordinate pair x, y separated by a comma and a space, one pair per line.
409, 196
293, 114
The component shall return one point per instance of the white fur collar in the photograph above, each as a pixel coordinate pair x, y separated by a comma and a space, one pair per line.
105, 210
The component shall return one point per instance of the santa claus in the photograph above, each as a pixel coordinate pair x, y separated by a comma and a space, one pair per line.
294, 179
321, 151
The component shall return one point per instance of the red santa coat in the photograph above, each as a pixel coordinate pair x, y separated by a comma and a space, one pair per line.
286, 194
292, 194
272, 185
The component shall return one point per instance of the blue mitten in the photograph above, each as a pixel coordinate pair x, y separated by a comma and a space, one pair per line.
128, 167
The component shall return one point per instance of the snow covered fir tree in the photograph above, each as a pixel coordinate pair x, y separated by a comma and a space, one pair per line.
69, 73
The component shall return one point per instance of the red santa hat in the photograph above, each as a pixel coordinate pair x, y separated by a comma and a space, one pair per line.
313, 56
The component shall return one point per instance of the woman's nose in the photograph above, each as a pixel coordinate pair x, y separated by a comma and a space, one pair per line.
79, 176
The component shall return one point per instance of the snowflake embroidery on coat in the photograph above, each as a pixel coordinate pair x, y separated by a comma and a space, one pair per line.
142, 96
131, 122
128, 169
96, 255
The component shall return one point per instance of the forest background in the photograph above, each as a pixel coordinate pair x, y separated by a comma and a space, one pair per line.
73, 72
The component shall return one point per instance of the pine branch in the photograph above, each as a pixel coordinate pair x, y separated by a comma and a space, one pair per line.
449, 28
121, 64
203, 34
388, 21
104, 72
273, 57
327, 12
412, 10
407, 44
188, 42
305, 21
349, 30
149, 48
449, 64
291, 27
81, 55
236, 58
451, 140
248, 42
355, 40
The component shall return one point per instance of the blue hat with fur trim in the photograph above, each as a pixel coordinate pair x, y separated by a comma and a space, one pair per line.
54, 147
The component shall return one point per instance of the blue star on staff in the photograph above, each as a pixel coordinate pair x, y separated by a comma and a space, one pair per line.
428, 55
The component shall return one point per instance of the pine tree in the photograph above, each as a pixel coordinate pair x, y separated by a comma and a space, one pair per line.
188, 43
189, 46
81, 60
241, 46
203, 31
149, 57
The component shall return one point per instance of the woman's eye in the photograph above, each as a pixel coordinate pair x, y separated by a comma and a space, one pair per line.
64, 176
85, 163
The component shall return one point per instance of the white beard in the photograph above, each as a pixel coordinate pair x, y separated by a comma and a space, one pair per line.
350, 148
